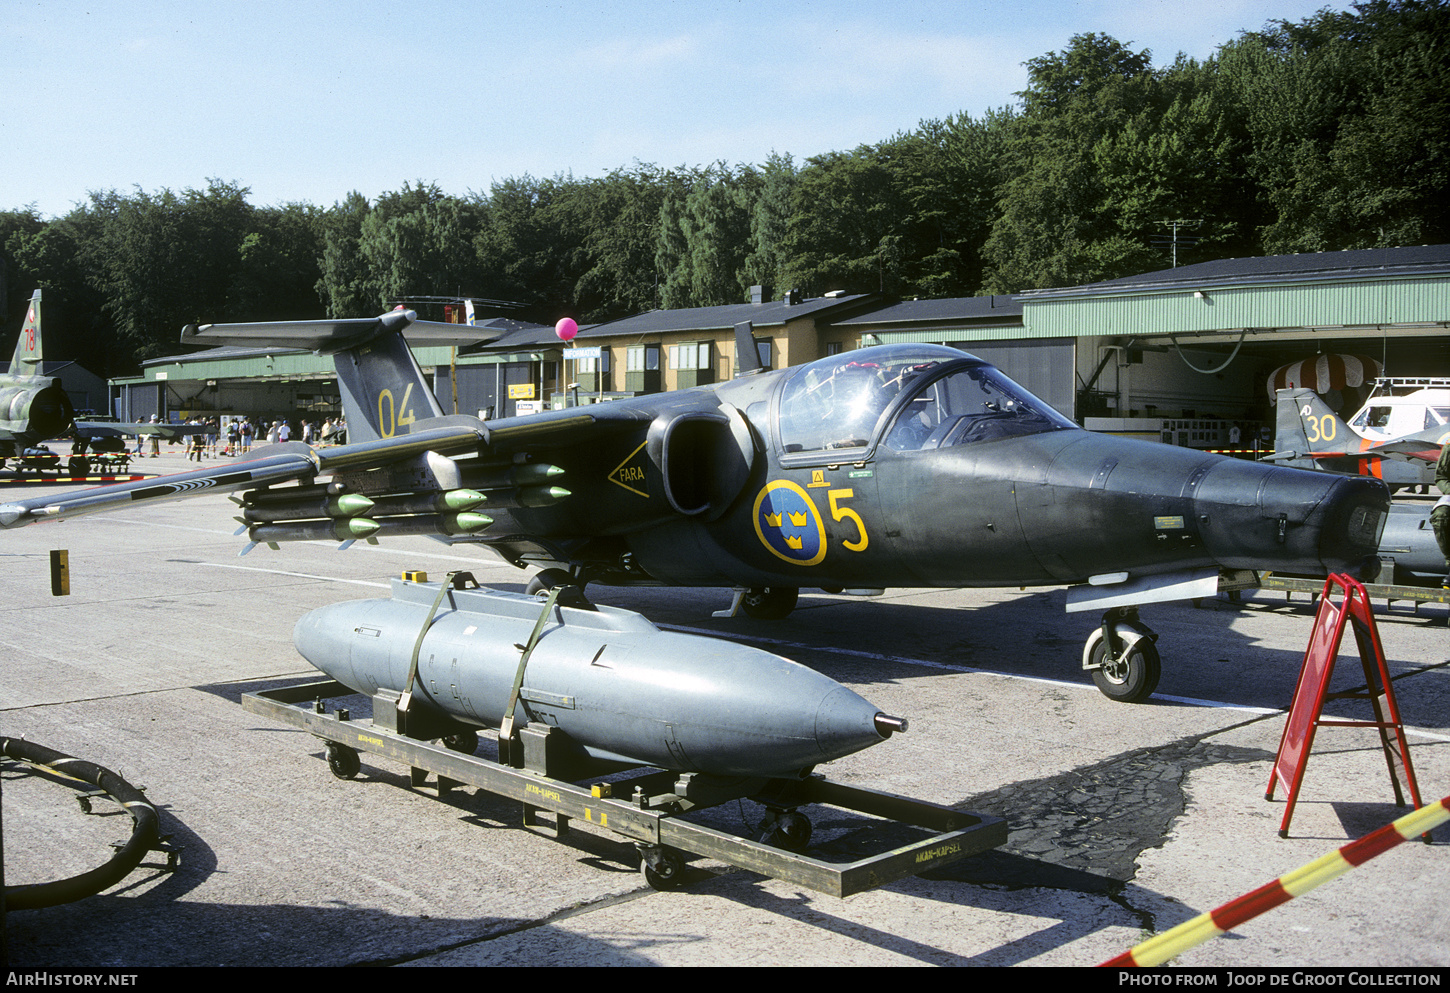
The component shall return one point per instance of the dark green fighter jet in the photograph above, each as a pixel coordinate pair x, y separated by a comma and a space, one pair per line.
894, 466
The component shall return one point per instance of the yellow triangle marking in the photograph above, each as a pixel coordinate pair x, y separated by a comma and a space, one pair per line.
633, 473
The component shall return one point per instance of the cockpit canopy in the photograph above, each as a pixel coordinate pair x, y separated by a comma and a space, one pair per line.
913, 396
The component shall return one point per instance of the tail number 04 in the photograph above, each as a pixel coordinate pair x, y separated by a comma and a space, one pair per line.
1318, 428
392, 416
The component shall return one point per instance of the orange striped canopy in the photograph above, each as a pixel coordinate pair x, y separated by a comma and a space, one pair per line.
1322, 373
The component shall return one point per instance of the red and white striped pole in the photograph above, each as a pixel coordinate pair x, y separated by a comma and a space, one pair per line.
1156, 951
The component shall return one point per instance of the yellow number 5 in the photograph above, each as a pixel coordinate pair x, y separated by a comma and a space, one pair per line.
840, 513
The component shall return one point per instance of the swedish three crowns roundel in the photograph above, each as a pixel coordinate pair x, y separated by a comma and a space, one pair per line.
787, 523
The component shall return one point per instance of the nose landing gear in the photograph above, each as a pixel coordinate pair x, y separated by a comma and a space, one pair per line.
1122, 656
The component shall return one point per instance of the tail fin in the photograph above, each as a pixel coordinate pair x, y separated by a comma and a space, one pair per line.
27, 350
383, 391
1322, 427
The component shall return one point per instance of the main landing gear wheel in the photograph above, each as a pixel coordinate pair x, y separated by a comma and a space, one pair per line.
546, 580
769, 603
1132, 676
344, 762
572, 594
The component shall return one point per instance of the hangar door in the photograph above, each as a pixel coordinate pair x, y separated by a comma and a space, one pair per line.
1045, 368
483, 388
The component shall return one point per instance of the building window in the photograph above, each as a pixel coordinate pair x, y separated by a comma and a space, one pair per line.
692, 364
695, 355
642, 369
642, 358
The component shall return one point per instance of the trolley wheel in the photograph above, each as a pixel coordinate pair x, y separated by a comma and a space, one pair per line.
789, 832
464, 741
1130, 679
344, 762
769, 603
663, 868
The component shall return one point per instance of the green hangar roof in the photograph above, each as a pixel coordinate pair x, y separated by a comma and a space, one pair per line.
1368, 288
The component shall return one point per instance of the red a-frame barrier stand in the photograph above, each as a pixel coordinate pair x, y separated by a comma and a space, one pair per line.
1312, 692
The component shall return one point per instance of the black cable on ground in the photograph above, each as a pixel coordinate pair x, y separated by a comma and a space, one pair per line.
144, 832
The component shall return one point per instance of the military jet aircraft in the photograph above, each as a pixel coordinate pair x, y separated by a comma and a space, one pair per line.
1311, 436
34, 408
892, 466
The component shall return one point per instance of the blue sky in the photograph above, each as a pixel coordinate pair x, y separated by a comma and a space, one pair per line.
307, 101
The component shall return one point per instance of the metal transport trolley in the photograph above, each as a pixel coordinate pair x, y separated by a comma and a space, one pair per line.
650, 808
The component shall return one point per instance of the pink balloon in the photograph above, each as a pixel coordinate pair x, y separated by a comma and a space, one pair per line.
566, 329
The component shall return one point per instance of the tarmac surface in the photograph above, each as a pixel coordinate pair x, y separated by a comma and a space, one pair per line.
1125, 819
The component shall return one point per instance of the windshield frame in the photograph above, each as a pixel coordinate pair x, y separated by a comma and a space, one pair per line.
947, 361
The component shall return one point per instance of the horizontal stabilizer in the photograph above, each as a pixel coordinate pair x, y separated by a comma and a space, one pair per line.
1410, 448
336, 335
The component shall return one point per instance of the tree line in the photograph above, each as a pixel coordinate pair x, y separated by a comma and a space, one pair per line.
1323, 134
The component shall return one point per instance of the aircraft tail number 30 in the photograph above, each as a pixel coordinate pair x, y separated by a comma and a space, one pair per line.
392, 416
1317, 428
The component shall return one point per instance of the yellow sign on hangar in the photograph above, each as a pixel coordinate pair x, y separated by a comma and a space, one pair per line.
521, 391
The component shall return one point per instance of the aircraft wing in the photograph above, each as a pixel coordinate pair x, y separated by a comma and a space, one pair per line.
272, 464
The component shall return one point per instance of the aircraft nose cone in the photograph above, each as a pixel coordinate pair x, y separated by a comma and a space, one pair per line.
1355, 512
1291, 520
847, 723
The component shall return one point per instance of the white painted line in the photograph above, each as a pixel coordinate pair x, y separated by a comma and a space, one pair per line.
876, 656
299, 575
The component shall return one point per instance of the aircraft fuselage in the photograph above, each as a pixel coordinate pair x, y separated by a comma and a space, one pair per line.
956, 478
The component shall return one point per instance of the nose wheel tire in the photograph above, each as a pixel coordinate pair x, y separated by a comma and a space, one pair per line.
1130, 678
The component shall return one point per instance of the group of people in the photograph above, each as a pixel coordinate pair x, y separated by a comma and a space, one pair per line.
239, 433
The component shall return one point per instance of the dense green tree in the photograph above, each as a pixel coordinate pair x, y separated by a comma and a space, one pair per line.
620, 215
278, 266
165, 260
705, 237
532, 247
844, 228
1349, 119
769, 220
346, 285
418, 241
717, 234
1054, 229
